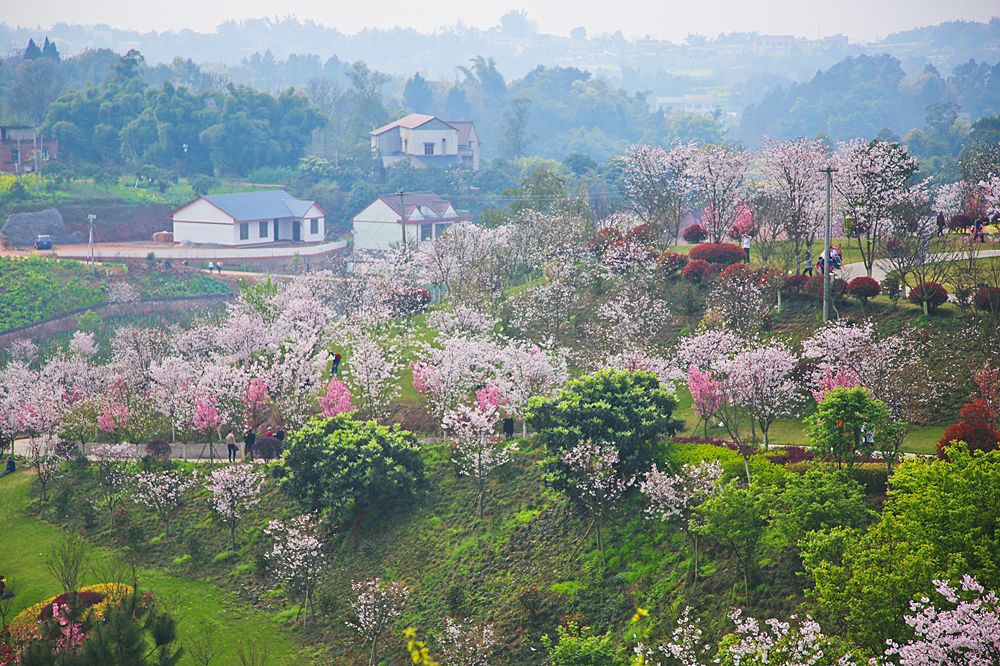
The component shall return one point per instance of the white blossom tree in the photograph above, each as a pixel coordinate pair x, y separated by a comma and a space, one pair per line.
719, 175
235, 491
479, 449
467, 644
377, 605
163, 493
296, 557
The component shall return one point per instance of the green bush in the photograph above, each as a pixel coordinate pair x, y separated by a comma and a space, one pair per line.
579, 646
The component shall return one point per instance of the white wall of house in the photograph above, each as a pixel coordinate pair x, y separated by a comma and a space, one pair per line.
203, 232
445, 141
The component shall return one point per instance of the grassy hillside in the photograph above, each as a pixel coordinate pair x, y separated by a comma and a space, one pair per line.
33, 289
194, 602
525, 566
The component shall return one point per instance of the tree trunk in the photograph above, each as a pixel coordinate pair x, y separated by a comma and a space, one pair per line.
373, 659
763, 431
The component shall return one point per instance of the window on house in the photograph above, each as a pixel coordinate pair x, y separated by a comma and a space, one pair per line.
428, 149
444, 150
441, 228
244, 230
15, 155
425, 231
314, 226
262, 229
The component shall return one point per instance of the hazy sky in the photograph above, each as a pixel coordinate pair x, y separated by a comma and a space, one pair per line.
670, 19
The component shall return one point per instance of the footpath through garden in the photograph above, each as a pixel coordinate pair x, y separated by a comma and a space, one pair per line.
26, 541
881, 267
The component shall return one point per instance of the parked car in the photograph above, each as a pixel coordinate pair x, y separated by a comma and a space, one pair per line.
43, 242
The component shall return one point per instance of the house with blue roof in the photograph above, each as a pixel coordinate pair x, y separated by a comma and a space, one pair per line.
249, 218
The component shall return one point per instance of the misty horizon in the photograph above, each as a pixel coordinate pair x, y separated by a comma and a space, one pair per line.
661, 23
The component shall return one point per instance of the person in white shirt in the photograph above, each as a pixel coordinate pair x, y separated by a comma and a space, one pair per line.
746, 248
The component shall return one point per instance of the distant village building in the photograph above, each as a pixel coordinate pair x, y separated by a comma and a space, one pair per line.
427, 142
249, 218
703, 104
416, 217
18, 144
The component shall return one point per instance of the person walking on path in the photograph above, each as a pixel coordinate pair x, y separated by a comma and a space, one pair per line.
211, 266
746, 248
231, 446
218, 267
335, 366
808, 269
248, 441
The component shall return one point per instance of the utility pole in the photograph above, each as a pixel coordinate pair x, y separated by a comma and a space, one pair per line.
827, 269
402, 218
90, 241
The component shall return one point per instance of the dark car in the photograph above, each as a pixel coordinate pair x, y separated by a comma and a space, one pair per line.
43, 242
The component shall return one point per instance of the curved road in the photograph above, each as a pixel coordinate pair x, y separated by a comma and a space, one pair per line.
881, 266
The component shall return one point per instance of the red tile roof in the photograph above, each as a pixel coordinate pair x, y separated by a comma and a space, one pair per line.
411, 121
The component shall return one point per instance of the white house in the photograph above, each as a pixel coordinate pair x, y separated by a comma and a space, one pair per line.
427, 142
249, 218
389, 221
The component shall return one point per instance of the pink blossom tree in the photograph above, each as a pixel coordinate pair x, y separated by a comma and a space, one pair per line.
706, 394
478, 449
235, 491
163, 493
377, 605
596, 483
966, 630
718, 173
336, 400
672, 497
296, 557
207, 419
761, 382
256, 402
659, 186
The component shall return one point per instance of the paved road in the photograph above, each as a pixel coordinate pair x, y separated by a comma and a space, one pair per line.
881, 266
111, 251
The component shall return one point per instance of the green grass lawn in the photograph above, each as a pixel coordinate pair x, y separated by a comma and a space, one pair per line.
920, 439
25, 542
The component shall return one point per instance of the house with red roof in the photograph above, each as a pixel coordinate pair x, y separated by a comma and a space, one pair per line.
427, 142
409, 219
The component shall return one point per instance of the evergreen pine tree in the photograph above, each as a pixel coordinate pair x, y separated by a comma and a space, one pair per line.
49, 50
32, 52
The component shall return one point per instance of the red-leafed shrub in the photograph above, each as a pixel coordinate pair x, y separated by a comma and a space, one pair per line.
641, 233
838, 287
698, 271
603, 239
718, 253
794, 286
734, 271
987, 299
695, 234
960, 222
863, 288
671, 262
974, 427
930, 293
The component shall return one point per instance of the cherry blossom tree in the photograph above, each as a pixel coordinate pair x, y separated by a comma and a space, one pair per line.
336, 400
377, 605
115, 466
596, 483
718, 173
373, 375
705, 349
468, 644
235, 491
833, 379
966, 630
872, 184
640, 361
673, 496
706, 394
659, 186
798, 642
296, 557
526, 371
82, 344
207, 419
761, 382
478, 448
172, 388
792, 178
633, 319
450, 369
134, 352
256, 401
163, 493
45, 460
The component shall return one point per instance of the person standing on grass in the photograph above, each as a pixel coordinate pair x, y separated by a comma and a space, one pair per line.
808, 269
231, 446
940, 224
746, 248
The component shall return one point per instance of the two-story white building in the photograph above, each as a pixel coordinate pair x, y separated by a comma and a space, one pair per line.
427, 142
249, 218
391, 220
